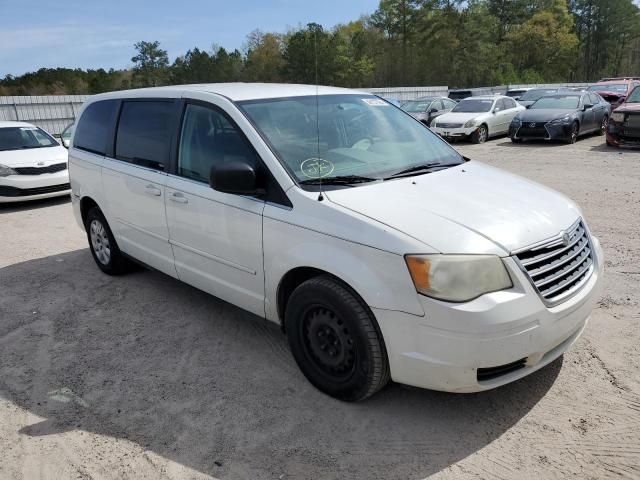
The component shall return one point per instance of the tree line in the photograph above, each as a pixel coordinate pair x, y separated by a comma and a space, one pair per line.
463, 43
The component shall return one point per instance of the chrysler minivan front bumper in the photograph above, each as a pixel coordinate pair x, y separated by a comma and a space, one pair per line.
487, 342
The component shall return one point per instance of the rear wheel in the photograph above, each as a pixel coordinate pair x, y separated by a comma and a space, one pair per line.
103, 245
603, 125
480, 135
335, 340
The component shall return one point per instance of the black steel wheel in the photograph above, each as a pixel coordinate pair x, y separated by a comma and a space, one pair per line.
335, 339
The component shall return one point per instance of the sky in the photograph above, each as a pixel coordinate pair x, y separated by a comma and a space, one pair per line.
94, 34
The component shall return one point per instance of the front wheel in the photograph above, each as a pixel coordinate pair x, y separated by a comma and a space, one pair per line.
516, 140
480, 135
335, 340
573, 135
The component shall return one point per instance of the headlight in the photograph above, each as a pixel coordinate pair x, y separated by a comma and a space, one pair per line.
457, 278
470, 123
617, 117
6, 171
560, 121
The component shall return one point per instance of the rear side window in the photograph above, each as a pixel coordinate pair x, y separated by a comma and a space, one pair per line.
94, 127
144, 133
594, 99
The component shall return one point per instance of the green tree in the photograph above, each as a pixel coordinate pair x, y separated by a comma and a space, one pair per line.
151, 64
264, 59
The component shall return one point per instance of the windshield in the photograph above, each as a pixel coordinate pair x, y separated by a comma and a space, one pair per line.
608, 87
634, 97
533, 95
469, 106
331, 136
416, 106
21, 138
557, 102
66, 134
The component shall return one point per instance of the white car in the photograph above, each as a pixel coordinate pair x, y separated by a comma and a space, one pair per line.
378, 248
478, 118
32, 164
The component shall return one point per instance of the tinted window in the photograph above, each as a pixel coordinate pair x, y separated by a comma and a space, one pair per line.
594, 99
437, 105
144, 133
94, 126
474, 106
208, 138
509, 103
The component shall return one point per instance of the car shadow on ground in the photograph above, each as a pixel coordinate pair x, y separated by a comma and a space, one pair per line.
146, 358
33, 204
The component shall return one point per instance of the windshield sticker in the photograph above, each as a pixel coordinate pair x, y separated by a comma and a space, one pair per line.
28, 129
375, 102
316, 167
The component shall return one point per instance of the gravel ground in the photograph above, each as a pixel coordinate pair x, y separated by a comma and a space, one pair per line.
144, 377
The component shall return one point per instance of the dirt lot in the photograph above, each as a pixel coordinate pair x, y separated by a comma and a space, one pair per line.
144, 377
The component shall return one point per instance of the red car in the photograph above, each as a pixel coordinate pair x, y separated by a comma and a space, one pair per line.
624, 123
615, 90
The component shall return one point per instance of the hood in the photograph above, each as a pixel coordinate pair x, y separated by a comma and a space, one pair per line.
524, 103
544, 115
458, 117
628, 107
32, 156
471, 208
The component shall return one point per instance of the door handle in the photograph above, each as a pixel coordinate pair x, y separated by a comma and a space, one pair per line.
153, 190
178, 198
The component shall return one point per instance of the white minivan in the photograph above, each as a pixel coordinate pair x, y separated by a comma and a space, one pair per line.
381, 251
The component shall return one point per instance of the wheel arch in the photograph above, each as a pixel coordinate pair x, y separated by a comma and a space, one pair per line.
86, 204
296, 277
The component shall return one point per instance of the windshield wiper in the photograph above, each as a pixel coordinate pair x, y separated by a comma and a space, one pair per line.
417, 169
339, 180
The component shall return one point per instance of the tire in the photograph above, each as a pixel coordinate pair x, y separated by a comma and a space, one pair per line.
480, 135
575, 131
103, 246
335, 340
603, 126
516, 140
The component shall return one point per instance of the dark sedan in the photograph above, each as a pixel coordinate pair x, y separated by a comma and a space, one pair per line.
561, 116
426, 109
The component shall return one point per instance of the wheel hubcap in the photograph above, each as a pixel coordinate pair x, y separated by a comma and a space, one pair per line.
328, 342
483, 134
603, 127
100, 242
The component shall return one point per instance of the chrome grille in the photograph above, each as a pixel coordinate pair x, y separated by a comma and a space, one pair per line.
448, 125
558, 268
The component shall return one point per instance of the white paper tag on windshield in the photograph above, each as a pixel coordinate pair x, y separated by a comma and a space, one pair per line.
28, 129
375, 102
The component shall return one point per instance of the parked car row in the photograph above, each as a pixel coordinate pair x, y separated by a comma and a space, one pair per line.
552, 114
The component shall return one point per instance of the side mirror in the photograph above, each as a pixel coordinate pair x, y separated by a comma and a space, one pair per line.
433, 110
587, 106
65, 142
496, 110
235, 177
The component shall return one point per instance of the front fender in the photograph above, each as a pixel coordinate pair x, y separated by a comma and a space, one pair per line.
380, 278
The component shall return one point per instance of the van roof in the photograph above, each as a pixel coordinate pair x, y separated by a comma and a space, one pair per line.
235, 91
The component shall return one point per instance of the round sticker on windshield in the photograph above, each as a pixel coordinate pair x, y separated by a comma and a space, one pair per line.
316, 167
